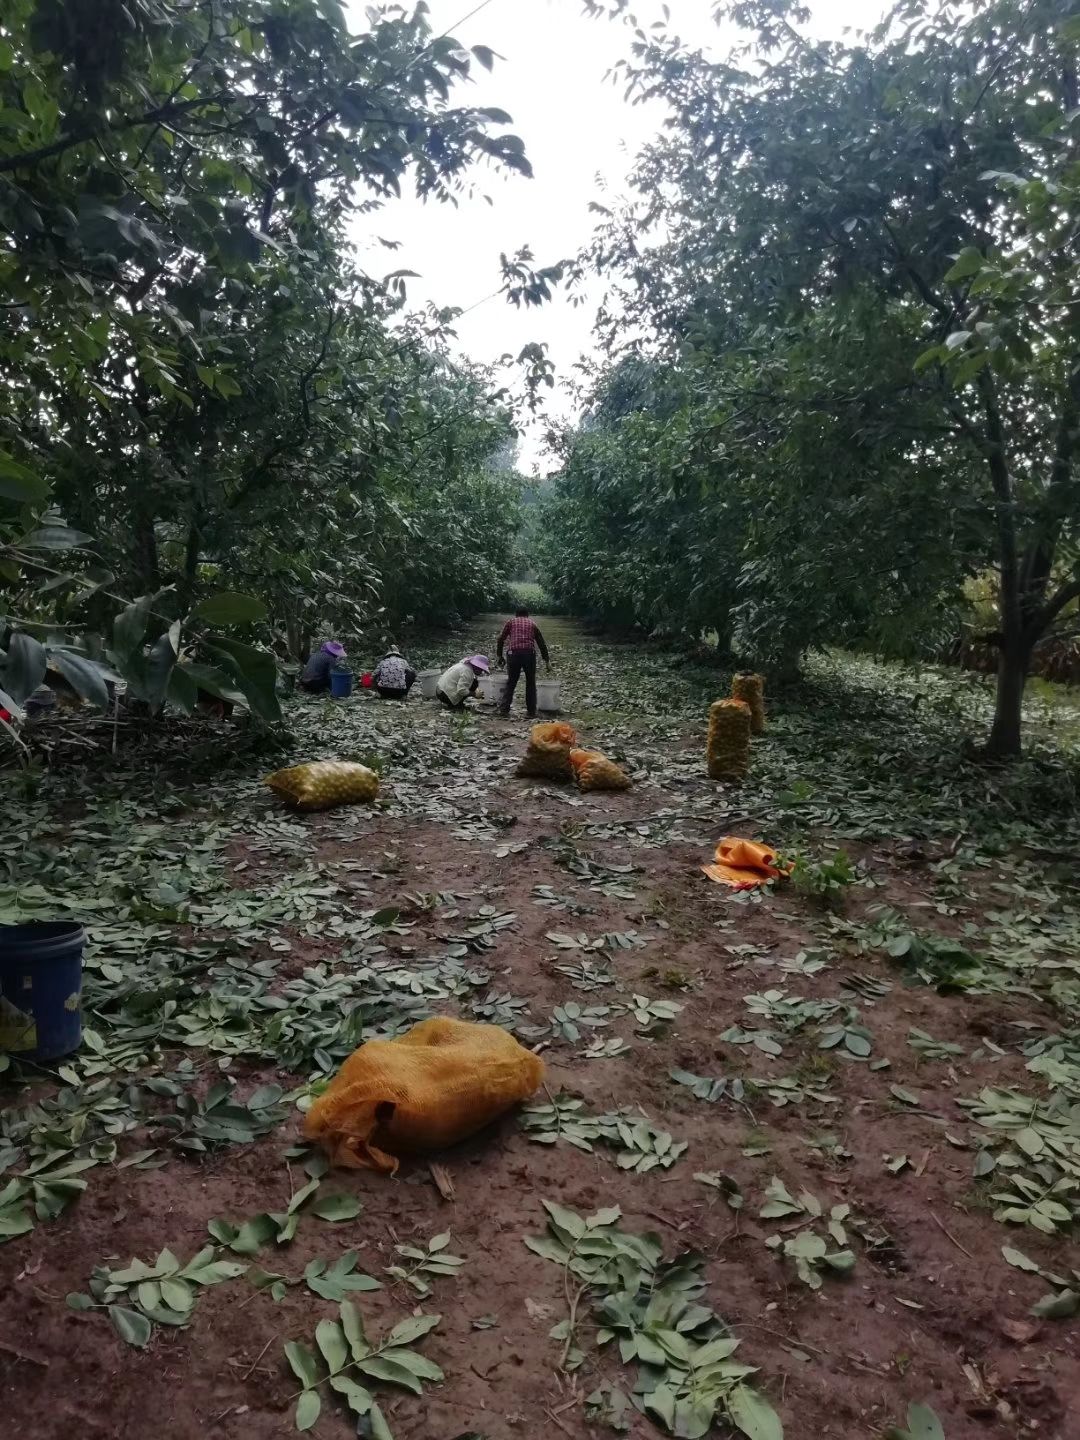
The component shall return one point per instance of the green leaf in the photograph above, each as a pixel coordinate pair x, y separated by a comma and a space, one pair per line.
132, 1327
407, 1332
969, 262
353, 1327
25, 669
337, 1207
159, 665
228, 607
378, 1429
753, 1414
129, 628
82, 675
304, 1365
1059, 1305
356, 1397
391, 1372
308, 1408
565, 1221
255, 673
330, 1339
922, 1424
18, 482
182, 690
55, 537
211, 679
302, 1196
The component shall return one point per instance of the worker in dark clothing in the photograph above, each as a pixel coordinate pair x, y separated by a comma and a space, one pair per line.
316, 674
521, 639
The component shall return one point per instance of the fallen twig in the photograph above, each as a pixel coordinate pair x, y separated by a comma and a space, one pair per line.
247, 1373
951, 1237
555, 1420
441, 1176
10, 1349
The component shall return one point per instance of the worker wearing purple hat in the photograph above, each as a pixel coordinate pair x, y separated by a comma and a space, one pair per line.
461, 680
316, 674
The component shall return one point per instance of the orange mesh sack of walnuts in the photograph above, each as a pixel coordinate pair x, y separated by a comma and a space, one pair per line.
594, 771
435, 1085
548, 755
322, 784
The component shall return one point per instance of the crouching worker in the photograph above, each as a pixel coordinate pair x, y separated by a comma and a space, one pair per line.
461, 680
315, 677
394, 677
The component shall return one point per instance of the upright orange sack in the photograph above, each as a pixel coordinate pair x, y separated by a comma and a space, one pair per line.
549, 749
750, 689
435, 1085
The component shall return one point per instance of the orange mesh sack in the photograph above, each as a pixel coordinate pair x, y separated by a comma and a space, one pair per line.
594, 771
580, 758
438, 1083
549, 749
750, 689
322, 784
727, 750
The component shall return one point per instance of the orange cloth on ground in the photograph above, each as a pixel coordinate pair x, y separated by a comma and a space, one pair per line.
439, 1082
742, 864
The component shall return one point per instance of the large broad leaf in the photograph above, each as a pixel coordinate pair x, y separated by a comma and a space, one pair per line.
230, 608
130, 1325
55, 537
307, 1409
211, 679
754, 1416
159, 664
25, 665
182, 691
129, 629
19, 482
82, 675
256, 674
304, 1365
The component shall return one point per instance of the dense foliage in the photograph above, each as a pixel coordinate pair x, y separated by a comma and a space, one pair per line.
202, 393
847, 270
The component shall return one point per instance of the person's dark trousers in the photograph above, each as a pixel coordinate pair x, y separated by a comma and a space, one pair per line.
521, 662
388, 693
444, 699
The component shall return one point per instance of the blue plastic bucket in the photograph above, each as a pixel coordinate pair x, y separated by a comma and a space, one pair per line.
41, 989
340, 683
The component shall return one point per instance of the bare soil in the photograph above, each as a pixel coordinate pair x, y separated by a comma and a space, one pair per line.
931, 1312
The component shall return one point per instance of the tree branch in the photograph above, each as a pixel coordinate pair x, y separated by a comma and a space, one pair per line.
165, 112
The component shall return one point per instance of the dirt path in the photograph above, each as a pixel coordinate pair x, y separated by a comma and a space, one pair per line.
254, 936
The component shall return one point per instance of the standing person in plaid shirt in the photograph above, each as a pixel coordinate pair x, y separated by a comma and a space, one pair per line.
522, 638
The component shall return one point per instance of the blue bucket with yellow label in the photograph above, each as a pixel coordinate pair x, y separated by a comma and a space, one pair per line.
41, 989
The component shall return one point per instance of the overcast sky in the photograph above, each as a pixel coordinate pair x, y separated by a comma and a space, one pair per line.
580, 138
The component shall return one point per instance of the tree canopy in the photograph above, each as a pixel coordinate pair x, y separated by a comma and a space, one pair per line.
202, 390
849, 269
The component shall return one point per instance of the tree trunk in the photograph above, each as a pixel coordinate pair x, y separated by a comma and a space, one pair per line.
1004, 740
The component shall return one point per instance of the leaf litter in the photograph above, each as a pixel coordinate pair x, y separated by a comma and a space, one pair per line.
236, 956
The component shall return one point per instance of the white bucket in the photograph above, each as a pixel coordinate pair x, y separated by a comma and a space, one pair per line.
495, 688
547, 696
429, 679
